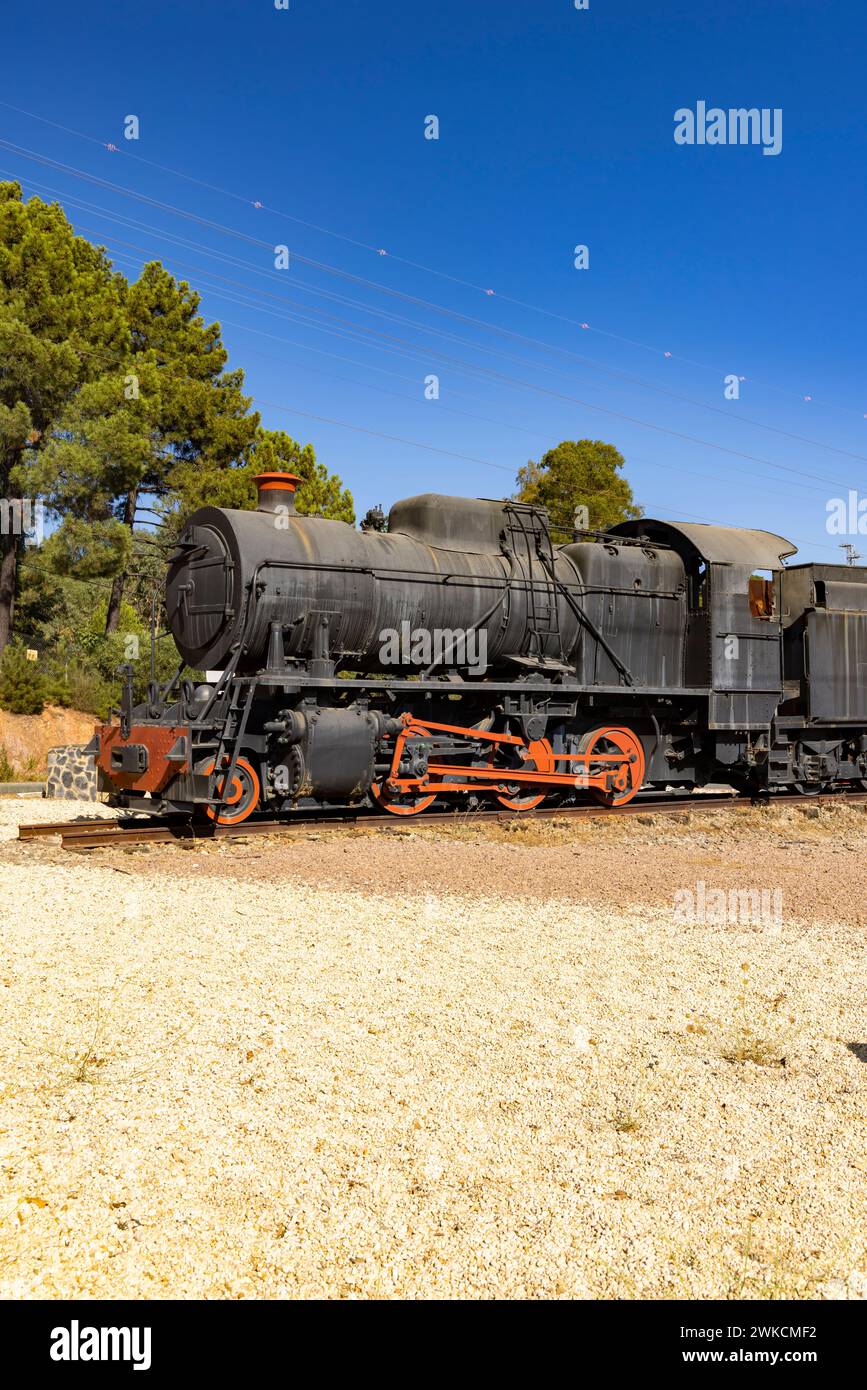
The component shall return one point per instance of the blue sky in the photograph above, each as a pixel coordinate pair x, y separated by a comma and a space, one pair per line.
556, 129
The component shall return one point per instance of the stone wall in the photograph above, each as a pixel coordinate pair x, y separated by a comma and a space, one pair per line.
71, 773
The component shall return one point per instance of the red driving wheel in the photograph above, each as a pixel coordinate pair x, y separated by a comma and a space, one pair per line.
240, 798
628, 775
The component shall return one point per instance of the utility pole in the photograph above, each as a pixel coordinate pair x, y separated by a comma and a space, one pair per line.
851, 553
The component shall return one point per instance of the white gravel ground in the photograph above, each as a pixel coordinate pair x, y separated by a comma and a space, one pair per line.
216, 1088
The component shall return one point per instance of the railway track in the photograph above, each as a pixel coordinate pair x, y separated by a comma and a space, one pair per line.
96, 834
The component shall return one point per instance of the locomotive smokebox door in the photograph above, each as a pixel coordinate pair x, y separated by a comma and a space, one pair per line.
200, 587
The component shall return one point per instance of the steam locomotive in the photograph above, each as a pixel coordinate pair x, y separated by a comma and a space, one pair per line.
652, 655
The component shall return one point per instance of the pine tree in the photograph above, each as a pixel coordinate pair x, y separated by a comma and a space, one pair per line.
320, 493
135, 433
61, 323
22, 688
579, 473
114, 400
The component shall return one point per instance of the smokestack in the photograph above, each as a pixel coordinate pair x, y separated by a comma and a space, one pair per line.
276, 491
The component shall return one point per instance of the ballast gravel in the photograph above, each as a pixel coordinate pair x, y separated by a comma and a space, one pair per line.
227, 1079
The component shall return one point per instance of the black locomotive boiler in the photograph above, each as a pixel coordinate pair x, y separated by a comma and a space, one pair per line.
654, 654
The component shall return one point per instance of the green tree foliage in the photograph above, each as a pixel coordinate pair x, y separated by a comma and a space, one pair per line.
105, 653
64, 618
38, 595
61, 320
272, 451
320, 493
117, 409
579, 473
22, 686
135, 433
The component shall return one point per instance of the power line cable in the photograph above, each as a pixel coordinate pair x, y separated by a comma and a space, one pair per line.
427, 304
577, 400
402, 260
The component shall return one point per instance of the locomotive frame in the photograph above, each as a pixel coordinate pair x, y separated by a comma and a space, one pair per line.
649, 655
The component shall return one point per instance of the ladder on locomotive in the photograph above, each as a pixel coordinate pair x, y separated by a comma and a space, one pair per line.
528, 527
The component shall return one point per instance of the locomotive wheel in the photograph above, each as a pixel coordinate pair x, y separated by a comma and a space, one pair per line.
541, 754
401, 803
625, 742
240, 799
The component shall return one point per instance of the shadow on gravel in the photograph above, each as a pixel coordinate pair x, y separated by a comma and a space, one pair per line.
858, 1050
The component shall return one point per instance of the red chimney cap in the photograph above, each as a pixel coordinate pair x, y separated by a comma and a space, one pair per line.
286, 482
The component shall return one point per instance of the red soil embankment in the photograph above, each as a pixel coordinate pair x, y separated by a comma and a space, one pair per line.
26, 738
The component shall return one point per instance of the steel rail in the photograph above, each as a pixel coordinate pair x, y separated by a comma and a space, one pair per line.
162, 830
